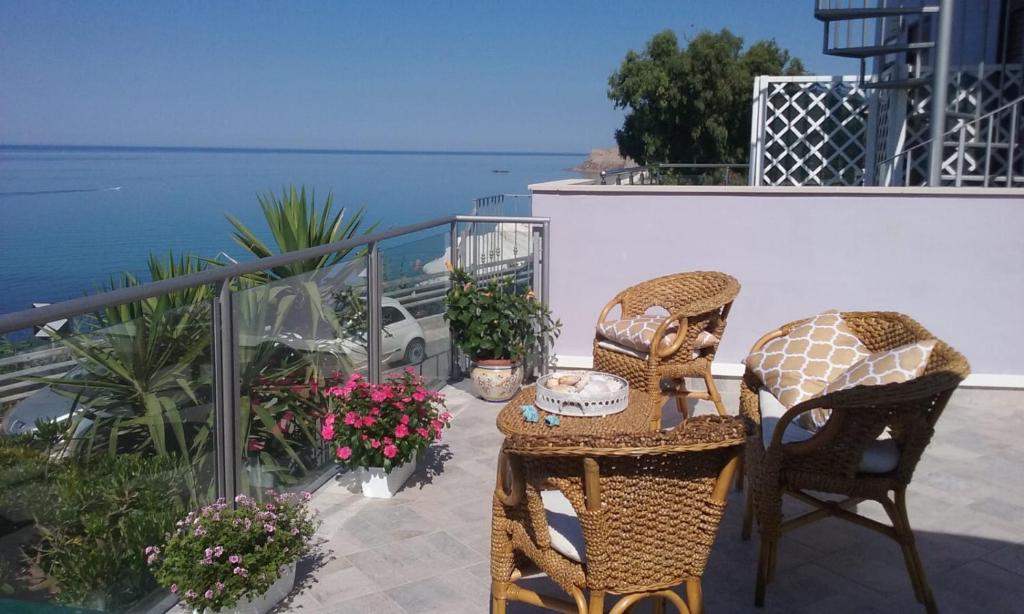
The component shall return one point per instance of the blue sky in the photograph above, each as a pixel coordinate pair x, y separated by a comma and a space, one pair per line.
513, 75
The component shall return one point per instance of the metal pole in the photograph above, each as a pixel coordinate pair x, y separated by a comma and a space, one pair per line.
988, 150
373, 320
453, 357
939, 85
227, 418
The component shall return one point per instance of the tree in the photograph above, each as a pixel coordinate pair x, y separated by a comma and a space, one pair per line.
692, 104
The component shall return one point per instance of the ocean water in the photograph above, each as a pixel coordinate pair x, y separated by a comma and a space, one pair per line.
72, 217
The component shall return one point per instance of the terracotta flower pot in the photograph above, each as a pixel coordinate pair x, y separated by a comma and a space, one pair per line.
497, 380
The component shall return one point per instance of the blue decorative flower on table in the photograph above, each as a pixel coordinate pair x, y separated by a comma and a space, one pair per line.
530, 413
551, 420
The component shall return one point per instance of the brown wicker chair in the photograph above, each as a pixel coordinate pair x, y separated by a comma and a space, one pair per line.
828, 461
646, 509
696, 302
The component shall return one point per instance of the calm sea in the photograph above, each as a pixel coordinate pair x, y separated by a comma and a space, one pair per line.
72, 217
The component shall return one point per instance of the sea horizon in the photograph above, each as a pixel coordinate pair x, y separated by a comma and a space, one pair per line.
296, 150
74, 216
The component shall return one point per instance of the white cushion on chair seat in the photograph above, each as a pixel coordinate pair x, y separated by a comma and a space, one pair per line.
615, 347
563, 525
882, 456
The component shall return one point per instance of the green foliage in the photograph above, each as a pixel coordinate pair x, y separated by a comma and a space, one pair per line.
692, 105
218, 556
92, 520
493, 321
297, 224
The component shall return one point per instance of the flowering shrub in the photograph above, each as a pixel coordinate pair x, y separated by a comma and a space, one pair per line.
382, 425
218, 556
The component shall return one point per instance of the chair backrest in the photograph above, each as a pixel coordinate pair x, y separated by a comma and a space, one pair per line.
909, 410
694, 291
649, 505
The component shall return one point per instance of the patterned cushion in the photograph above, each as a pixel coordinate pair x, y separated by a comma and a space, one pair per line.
895, 366
636, 333
798, 366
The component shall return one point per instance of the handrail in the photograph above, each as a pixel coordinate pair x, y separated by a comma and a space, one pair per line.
630, 170
39, 316
956, 130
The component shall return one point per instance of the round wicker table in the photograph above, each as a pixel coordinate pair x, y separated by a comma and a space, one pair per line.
634, 419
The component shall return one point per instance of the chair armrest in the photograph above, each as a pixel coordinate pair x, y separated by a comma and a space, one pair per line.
618, 300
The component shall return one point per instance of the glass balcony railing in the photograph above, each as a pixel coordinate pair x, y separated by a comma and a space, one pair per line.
156, 399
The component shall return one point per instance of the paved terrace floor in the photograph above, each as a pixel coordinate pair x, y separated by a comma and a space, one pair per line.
426, 550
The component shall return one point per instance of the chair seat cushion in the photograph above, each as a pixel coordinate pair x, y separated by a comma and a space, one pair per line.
881, 456
563, 526
636, 333
797, 366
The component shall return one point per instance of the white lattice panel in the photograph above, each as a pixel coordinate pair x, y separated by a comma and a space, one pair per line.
808, 131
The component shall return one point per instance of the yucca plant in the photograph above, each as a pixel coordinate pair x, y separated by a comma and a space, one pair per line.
297, 223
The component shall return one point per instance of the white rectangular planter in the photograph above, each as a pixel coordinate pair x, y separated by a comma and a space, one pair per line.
379, 485
266, 602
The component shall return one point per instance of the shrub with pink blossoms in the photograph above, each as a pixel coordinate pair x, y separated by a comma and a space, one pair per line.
382, 425
219, 556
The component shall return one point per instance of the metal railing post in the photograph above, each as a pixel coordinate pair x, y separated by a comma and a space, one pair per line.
988, 151
1012, 145
227, 418
453, 354
960, 154
374, 294
545, 281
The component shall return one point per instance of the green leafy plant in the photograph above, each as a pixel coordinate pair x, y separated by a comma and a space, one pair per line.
382, 425
218, 556
296, 223
95, 523
492, 321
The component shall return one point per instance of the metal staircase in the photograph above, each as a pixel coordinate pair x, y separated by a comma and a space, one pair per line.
917, 105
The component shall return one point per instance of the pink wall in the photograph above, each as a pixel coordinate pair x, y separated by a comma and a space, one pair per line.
954, 260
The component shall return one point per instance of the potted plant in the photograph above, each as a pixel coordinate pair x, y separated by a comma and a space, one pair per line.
240, 558
380, 429
497, 327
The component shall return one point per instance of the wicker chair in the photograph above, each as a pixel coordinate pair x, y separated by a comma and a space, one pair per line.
697, 302
645, 510
830, 461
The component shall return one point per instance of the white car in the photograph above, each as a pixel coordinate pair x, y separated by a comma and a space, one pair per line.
402, 339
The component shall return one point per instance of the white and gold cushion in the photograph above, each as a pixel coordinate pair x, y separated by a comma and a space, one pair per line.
797, 366
634, 335
895, 366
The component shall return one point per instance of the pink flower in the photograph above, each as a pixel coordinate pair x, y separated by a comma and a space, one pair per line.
329, 419
437, 425
333, 391
390, 451
374, 443
380, 394
174, 588
445, 416
369, 421
235, 559
220, 587
422, 432
401, 431
375, 411
208, 594
404, 420
327, 432
363, 437
420, 395
219, 550
351, 418
345, 453
269, 528
388, 441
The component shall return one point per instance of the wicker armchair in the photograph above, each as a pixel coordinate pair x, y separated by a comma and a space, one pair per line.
697, 302
831, 460
646, 509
